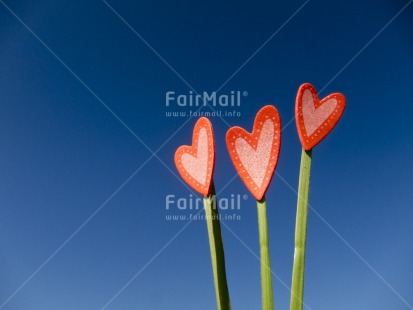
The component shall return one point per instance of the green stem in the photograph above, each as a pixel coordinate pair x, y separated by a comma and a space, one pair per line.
217, 251
266, 276
297, 286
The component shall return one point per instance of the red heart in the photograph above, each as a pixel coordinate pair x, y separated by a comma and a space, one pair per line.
255, 155
196, 163
315, 118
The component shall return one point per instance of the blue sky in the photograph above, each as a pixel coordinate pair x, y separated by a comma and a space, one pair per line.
82, 202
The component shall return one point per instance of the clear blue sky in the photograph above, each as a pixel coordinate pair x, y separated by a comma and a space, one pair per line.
63, 155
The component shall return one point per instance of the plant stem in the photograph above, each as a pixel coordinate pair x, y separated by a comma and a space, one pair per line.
297, 286
266, 276
217, 251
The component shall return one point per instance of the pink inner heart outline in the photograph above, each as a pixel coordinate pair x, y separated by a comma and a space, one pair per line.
256, 161
196, 166
314, 117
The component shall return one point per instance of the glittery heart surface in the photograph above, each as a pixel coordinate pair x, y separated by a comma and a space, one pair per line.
255, 155
315, 118
196, 163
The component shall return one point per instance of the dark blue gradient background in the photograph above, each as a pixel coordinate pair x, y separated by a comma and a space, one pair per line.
63, 154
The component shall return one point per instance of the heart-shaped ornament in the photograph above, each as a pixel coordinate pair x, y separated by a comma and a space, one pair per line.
196, 163
315, 118
255, 155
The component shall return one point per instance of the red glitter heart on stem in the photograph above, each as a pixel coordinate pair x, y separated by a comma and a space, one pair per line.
196, 163
255, 155
315, 118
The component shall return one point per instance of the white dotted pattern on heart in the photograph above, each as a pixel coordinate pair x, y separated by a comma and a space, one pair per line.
196, 166
256, 161
314, 118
